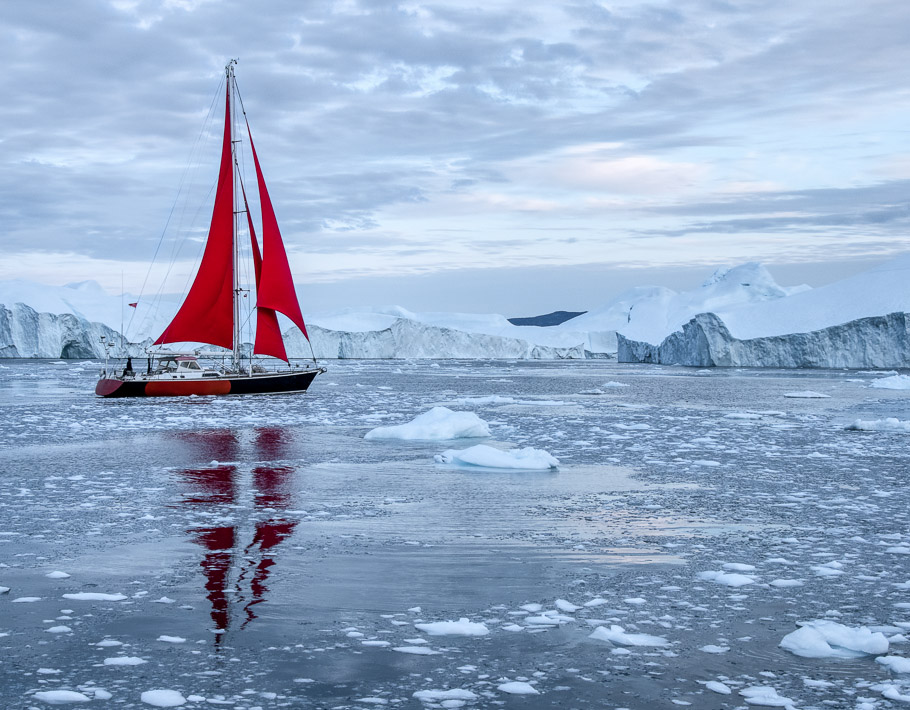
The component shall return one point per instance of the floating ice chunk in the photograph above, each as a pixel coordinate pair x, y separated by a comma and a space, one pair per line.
828, 639
896, 664
109, 642
764, 695
730, 579
171, 639
95, 597
566, 606
61, 697
124, 661
163, 698
437, 696
163, 600
25, 600
462, 627
738, 567
611, 383
416, 650
438, 424
806, 394
518, 687
489, 399
4, 590
783, 583
376, 643
596, 601
718, 687
58, 630
895, 382
888, 424
484, 456
742, 415
57, 574
893, 692
617, 634
711, 648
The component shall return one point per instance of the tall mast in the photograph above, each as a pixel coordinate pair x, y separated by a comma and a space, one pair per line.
229, 73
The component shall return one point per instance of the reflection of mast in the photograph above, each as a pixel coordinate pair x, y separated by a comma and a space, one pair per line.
219, 486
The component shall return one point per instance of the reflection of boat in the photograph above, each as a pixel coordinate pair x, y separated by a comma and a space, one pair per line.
211, 311
237, 575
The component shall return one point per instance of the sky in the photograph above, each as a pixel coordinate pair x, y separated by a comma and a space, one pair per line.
506, 156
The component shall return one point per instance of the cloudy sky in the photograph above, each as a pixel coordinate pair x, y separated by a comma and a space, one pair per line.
512, 155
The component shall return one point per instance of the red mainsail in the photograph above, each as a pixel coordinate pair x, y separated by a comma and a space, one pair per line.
207, 314
275, 290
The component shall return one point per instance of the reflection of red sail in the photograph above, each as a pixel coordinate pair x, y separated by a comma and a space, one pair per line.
222, 486
217, 565
213, 485
268, 535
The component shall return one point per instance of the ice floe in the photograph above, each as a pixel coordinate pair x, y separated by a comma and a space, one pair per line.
823, 638
895, 382
61, 697
518, 687
887, 424
163, 698
617, 634
729, 579
438, 424
462, 627
484, 456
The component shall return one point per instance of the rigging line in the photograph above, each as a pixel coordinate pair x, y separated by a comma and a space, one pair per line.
180, 189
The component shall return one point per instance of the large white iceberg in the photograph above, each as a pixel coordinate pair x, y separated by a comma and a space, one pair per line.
828, 639
484, 456
438, 424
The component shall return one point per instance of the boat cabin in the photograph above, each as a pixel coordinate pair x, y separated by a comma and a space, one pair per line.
179, 366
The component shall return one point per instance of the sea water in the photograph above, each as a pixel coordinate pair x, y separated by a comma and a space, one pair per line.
258, 552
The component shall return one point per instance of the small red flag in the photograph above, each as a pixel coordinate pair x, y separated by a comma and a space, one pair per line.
133, 305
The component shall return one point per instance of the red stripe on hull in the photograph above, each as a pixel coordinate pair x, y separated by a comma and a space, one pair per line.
186, 388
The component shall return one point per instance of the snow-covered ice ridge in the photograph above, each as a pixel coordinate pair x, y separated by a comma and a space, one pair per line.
739, 317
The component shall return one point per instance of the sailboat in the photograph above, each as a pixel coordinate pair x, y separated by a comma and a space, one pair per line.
211, 312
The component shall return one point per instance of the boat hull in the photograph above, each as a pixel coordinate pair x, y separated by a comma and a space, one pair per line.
237, 384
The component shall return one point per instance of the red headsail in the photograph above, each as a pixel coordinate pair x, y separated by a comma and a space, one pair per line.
268, 332
276, 288
207, 314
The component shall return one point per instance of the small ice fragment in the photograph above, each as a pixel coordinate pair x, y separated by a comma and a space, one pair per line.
171, 639
95, 597
437, 696
517, 687
764, 695
61, 697
416, 650
712, 648
57, 574
730, 579
566, 606
58, 630
124, 661
163, 698
462, 627
163, 600
25, 600
806, 394
828, 639
617, 634
896, 664
718, 687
